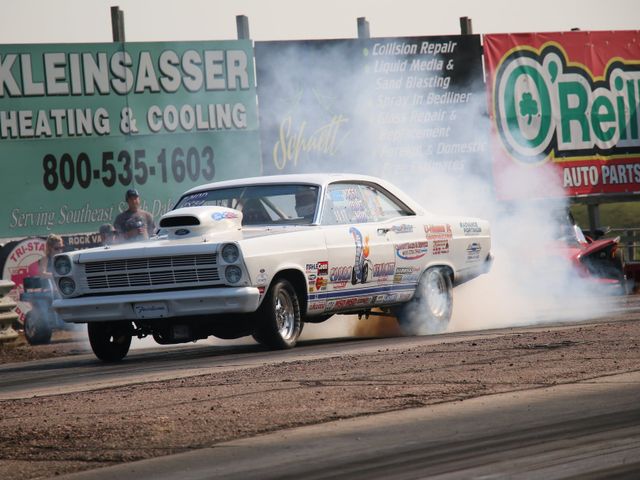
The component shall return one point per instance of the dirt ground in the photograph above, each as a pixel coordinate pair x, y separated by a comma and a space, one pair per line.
47, 436
63, 343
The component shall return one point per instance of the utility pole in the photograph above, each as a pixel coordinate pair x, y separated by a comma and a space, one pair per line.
117, 24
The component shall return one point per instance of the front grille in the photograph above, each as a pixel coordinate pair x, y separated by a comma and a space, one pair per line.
161, 272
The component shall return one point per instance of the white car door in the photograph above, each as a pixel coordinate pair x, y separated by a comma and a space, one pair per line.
404, 230
360, 253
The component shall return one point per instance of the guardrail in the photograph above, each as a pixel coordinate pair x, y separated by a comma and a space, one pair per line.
7, 315
629, 240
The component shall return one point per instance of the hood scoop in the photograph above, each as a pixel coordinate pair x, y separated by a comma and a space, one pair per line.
179, 221
191, 221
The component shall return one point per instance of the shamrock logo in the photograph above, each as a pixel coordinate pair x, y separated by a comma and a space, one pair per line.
528, 106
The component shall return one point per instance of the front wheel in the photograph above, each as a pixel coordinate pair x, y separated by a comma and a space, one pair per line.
278, 321
110, 341
429, 311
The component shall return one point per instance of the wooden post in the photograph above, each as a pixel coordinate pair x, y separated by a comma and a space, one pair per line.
363, 28
630, 238
594, 217
466, 27
117, 24
242, 25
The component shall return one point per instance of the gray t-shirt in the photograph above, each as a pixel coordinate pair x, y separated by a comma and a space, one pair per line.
133, 225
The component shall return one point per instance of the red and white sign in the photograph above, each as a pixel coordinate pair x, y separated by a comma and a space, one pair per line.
22, 262
564, 112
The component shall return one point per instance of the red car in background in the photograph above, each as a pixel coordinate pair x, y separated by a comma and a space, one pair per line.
593, 256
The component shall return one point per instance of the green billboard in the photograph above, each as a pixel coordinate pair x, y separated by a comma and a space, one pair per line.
82, 123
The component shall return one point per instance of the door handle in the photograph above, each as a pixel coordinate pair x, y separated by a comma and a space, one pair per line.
383, 230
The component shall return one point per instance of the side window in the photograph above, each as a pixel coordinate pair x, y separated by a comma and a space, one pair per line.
343, 204
381, 205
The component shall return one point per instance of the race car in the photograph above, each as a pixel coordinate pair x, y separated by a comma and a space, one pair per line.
262, 256
594, 258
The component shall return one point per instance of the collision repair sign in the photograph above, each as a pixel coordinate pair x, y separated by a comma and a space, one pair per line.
569, 100
81, 123
386, 106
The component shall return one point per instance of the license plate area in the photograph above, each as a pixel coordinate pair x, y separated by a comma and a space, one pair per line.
145, 310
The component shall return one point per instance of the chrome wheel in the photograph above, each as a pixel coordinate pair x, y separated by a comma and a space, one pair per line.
278, 322
437, 293
285, 315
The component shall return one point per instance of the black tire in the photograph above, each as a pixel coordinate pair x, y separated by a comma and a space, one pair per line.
37, 330
429, 311
110, 341
365, 273
278, 321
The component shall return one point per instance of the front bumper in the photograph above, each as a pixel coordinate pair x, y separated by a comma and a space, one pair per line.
209, 301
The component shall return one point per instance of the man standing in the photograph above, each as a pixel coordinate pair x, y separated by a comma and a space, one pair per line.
134, 223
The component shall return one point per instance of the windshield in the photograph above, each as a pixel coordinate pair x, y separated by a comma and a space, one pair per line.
262, 204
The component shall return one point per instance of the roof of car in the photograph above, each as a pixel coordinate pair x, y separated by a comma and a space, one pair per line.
310, 178
320, 179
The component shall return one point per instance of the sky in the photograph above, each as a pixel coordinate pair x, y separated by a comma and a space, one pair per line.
89, 21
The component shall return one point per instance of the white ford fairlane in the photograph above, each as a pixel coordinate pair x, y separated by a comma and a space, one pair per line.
261, 256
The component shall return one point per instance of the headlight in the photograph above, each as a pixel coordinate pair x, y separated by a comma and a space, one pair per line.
233, 274
230, 253
67, 285
62, 264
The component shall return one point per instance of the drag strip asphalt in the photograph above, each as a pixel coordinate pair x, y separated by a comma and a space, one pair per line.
589, 429
82, 373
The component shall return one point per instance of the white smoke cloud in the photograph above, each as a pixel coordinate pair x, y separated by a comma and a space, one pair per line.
532, 280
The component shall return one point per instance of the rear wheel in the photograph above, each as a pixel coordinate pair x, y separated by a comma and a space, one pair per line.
37, 330
278, 322
429, 311
110, 341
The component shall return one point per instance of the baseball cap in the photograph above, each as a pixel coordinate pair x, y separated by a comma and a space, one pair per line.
132, 192
107, 228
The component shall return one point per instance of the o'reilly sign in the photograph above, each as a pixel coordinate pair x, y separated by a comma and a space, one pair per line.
564, 112
546, 106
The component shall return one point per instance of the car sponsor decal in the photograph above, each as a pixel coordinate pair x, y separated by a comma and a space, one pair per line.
406, 274
375, 290
383, 296
195, 200
362, 264
440, 247
405, 296
381, 271
412, 250
317, 274
317, 306
470, 228
218, 216
353, 302
404, 228
473, 251
340, 276
262, 277
438, 232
